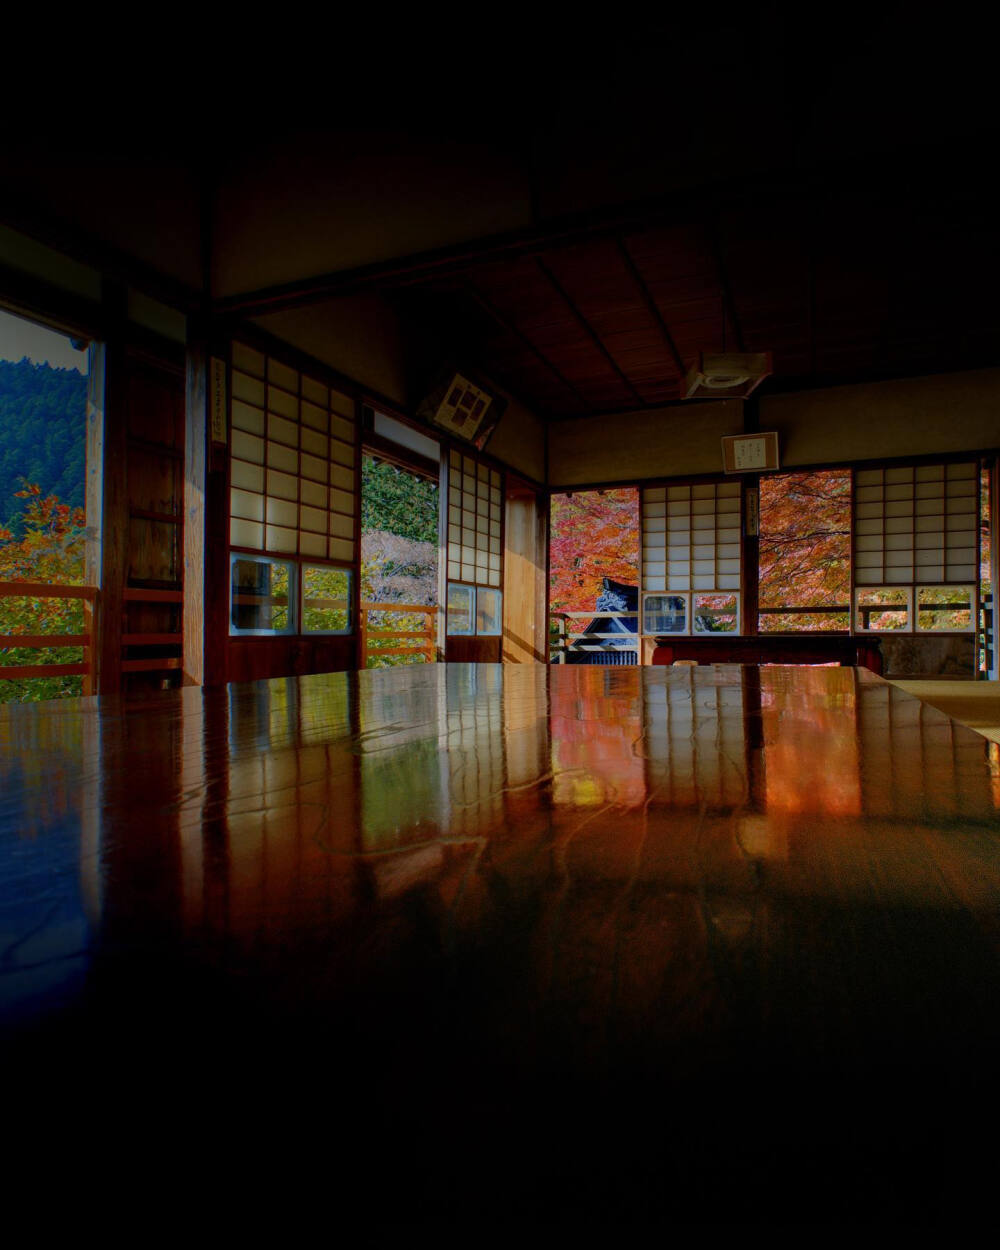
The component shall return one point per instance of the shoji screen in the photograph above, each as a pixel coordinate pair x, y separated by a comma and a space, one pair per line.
475, 508
293, 451
916, 523
916, 547
691, 558
475, 547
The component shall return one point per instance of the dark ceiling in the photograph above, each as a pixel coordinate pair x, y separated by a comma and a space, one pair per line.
730, 177
853, 284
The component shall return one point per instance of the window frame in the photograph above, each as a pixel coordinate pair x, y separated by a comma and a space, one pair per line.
475, 631
296, 597
293, 582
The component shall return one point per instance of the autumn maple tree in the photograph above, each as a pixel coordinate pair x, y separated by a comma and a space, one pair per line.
594, 534
805, 548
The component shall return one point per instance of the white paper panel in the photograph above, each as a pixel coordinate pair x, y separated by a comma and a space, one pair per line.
281, 457
341, 549
246, 417
244, 504
246, 476
313, 493
280, 539
248, 388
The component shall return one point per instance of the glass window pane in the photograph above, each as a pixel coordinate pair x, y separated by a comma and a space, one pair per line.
326, 600
945, 609
261, 595
882, 608
664, 614
461, 609
716, 614
489, 618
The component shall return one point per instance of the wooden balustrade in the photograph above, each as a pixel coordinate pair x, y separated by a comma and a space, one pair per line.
384, 639
41, 642
609, 644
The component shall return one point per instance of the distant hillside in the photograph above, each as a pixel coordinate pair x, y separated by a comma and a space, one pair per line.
42, 433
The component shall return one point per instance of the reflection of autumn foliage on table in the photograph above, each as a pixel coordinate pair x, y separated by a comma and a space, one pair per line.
805, 548
594, 534
810, 741
52, 551
595, 760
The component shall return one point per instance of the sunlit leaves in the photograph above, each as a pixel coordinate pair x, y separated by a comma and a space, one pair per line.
594, 534
805, 547
51, 551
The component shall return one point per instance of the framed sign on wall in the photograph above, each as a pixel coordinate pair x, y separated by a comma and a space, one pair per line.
749, 453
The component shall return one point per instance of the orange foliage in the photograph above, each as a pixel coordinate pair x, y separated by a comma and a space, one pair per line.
805, 546
594, 534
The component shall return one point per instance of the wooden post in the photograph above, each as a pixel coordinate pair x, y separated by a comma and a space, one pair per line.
195, 464
206, 518
751, 542
113, 516
94, 510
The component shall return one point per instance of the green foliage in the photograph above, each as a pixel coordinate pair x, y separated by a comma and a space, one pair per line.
51, 550
42, 435
397, 501
325, 599
399, 533
372, 591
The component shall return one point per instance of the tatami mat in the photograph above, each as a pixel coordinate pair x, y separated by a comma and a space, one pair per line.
972, 703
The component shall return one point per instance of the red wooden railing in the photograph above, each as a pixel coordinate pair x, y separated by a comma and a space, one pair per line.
385, 639
41, 642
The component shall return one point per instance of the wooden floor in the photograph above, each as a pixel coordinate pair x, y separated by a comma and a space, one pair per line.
494, 946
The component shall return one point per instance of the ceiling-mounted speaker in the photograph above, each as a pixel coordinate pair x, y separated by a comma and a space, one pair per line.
726, 375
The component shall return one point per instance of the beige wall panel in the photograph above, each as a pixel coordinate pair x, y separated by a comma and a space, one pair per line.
911, 416
147, 207
359, 335
663, 442
29, 256
356, 200
519, 441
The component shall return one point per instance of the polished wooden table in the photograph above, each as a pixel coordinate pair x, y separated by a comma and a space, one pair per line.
493, 945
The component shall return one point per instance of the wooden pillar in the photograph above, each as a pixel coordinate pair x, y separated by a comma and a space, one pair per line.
94, 509
751, 522
195, 463
108, 437
206, 514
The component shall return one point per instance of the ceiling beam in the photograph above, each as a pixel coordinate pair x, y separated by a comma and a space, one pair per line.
728, 304
506, 324
701, 204
651, 306
588, 328
110, 261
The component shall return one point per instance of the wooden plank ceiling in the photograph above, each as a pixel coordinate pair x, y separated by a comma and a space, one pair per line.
850, 288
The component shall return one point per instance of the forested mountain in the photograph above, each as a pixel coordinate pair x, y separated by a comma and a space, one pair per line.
42, 434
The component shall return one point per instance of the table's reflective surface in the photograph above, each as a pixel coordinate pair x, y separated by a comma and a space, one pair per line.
602, 941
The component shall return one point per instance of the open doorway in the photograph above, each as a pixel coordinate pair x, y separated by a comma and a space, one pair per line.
399, 562
45, 603
594, 577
